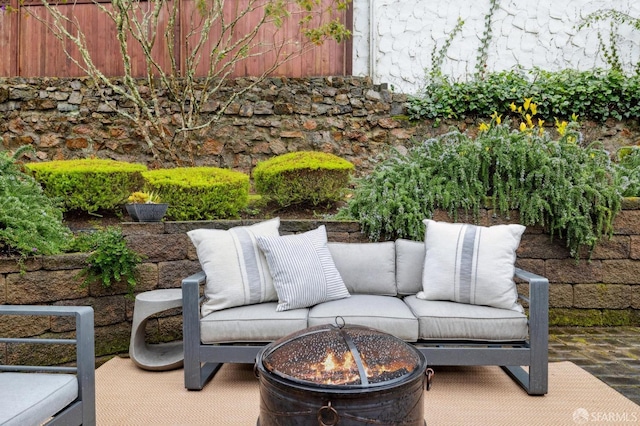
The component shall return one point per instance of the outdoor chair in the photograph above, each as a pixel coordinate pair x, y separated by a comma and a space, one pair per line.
52, 395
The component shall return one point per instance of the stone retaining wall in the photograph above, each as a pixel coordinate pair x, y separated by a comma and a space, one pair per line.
347, 116
602, 292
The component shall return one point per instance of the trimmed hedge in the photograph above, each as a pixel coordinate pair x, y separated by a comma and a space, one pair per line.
303, 177
88, 184
199, 193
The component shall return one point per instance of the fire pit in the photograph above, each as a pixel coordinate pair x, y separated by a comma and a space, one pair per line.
346, 375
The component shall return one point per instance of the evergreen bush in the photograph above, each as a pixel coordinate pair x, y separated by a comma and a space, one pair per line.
30, 222
199, 193
88, 184
302, 177
568, 189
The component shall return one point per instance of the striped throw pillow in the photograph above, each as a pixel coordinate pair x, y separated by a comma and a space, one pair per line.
471, 264
302, 268
236, 269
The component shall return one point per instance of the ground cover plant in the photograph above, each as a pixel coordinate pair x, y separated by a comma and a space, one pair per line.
110, 260
569, 189
592, 95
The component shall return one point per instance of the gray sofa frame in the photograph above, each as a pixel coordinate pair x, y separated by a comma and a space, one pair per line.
202, 361
82, 411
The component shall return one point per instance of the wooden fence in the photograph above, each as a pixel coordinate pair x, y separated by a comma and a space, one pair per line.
31, 50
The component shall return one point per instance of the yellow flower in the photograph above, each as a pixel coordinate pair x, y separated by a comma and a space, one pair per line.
513, 107
540, 122
561, 127
483, 127
527, 103
496, 117
529, 121
534, 108
523, 127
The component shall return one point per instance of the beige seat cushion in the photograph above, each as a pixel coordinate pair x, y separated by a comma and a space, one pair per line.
251, 323
385, 313
443, 320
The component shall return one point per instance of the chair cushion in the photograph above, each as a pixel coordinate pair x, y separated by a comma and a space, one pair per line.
471, 264
366, 268
254, 323
409, 264
442, 320
32, 398
385, 313
302, 268
237, 272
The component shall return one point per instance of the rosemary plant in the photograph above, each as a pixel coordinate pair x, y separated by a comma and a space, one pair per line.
568, 189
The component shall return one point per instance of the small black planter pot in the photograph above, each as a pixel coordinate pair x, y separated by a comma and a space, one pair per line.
147, 212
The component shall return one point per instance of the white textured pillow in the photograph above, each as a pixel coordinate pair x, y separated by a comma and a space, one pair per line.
471, 264
237, 272
303, 270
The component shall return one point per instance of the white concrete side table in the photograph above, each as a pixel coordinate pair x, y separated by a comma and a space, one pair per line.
161, 356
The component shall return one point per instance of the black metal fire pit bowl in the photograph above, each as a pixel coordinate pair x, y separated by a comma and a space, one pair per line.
341, 375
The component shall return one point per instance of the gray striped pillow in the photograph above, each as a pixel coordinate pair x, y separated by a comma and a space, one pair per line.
302, 269
471, 264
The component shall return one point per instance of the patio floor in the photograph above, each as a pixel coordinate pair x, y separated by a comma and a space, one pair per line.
612, 354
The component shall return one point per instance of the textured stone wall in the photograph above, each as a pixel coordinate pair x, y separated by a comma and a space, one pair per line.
350, 117
394, 39
602, 292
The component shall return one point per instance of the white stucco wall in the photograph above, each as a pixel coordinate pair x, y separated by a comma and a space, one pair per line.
393, 40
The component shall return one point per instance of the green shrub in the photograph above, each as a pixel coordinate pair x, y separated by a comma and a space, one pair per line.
199, 193
568, 189
303, 177
88, 184
629, 171
110, 260
30, 222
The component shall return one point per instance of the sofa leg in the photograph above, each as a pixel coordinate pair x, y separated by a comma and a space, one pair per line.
196, 378
534, 382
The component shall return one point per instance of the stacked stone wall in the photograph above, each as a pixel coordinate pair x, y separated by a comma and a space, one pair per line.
604, 291
347, 116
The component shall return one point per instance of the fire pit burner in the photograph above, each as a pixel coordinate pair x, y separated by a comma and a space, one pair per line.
346, 375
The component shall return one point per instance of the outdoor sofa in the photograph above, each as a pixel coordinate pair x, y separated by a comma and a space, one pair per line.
51, 395
413, 290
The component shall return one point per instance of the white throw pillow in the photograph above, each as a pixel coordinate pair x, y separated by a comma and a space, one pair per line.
471, 264
303, 270
236, 269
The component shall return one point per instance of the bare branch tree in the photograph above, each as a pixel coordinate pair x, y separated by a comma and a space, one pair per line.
202, 52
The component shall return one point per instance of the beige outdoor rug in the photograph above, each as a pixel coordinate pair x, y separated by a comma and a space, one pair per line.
126, 395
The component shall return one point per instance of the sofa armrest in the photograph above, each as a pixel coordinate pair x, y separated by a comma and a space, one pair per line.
538, 329
83, 342
191, 328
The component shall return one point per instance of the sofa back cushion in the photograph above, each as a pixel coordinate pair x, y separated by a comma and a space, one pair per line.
366, 268
409, 265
